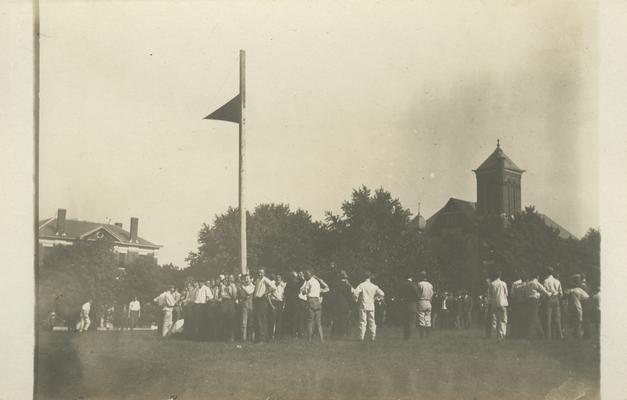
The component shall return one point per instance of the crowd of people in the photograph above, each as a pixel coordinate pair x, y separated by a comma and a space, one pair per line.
268, 307
546, 310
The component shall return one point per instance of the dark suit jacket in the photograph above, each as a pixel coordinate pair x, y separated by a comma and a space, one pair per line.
343, 296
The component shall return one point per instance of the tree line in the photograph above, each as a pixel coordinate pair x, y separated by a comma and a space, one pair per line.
373, 231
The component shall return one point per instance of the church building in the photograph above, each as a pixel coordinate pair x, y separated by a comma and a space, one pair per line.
454, 227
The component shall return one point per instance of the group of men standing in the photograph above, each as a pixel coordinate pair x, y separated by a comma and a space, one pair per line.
531, 300
267, 308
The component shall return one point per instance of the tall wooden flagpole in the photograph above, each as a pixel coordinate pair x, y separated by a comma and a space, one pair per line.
242, 152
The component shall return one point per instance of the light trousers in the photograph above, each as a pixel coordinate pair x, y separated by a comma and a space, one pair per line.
84, 323
367, 322
553, 316
167, 321
499, 321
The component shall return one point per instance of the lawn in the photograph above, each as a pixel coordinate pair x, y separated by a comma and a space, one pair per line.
449, 365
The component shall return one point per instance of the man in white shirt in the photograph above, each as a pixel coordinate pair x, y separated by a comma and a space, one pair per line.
312, 288
366, 293
134, 312
199, 310
276, 311
497, 297
553, 312
263, 288
84, 323
167, 301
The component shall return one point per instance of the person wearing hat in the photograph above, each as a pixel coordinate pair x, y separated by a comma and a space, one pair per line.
343, 305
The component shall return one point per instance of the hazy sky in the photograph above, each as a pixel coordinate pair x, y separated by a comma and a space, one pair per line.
410, 96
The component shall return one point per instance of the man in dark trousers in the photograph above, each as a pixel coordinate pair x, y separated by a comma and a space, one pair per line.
408, 295
261, 302
343, 305
291, 314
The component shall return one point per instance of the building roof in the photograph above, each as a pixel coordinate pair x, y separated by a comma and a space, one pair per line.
563, 233
467, 208
75, 229
491, 162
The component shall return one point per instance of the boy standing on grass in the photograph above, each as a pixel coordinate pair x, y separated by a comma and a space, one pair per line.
134, 312
366, 293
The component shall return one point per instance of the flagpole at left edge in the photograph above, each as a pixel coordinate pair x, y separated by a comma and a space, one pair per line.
242, 152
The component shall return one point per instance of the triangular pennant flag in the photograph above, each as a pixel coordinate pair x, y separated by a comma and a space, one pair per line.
231, 111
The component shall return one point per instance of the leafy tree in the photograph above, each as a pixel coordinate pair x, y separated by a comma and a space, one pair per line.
70, 275
279, 239
373, 233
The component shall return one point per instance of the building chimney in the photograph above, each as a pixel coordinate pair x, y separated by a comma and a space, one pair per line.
61, 221
134, 222
119, 225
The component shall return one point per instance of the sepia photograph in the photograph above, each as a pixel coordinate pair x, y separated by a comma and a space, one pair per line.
334, 200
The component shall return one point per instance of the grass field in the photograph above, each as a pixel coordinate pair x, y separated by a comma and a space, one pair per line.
449, 365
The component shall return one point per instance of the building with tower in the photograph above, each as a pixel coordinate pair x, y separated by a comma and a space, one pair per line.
498, 194
454, 227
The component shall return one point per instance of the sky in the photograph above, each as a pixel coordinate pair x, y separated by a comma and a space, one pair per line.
408, 96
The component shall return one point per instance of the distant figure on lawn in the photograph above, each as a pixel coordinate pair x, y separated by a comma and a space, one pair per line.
84, 322
467, 308
134, 312
425, 295
166, 301
366, 294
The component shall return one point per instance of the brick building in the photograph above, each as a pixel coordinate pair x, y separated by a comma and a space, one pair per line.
127, 245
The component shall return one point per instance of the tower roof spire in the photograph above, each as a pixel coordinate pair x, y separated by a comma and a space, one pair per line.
492, 161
